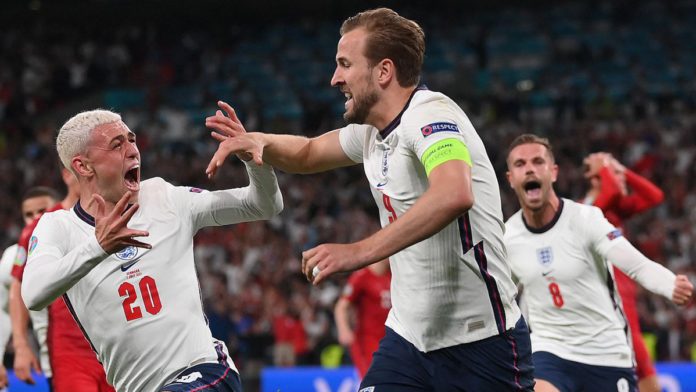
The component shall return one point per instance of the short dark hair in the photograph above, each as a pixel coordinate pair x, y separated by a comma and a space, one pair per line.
40, 191
393, 37
530, 138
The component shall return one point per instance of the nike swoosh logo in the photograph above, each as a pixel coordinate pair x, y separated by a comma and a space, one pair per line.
125, 267
546, 273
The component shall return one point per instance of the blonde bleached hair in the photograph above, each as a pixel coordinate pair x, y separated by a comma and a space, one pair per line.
74, 135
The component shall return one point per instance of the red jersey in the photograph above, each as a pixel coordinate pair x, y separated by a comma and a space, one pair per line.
23, 244
616, 208
370, 295
64, 337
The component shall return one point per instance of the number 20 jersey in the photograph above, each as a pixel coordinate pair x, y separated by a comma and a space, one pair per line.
454, 287
140, 308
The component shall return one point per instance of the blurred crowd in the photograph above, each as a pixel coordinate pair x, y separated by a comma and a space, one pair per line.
592, 76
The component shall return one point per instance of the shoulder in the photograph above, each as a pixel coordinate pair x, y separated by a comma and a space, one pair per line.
581, 212
154, 190
429, 105
154, 183
514, 223
52, 217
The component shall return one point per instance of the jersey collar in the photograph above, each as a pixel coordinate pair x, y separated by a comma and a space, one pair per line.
395, 122
82, 214
548, 226
85, 216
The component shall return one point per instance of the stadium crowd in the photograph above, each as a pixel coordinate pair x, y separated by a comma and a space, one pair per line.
592, 77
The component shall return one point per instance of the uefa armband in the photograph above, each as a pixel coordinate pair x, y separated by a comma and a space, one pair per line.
443, 151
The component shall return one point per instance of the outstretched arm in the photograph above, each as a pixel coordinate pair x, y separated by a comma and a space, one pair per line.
290, 153
649, 274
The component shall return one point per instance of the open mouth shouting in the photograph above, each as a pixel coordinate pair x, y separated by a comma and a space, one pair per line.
132, 178
532, 189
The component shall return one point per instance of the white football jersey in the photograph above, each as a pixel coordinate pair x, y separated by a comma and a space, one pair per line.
141, 309
454, 287
6, 263
573, 308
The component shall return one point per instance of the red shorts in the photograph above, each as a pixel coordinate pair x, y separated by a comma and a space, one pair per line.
361, 353
78, 373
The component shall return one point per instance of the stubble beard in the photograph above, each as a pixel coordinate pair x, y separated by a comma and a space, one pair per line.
361, 108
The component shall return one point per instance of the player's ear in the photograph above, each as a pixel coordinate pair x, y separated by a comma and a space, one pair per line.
81, 166
386, 71
554, 173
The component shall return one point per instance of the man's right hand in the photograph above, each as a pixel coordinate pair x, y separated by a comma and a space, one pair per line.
24, 362
111, 229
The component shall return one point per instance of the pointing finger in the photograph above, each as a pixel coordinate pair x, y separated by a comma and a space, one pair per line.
230, 111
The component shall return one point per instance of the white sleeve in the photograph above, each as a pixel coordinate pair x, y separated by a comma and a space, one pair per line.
352, 139
653, 276
610, 243
431, 124
261, 199
50, 269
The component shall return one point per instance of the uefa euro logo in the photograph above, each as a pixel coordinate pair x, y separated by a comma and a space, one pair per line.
127, 253
545, 256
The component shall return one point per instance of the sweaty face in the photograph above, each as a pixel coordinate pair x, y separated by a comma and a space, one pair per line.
33, 207
115, 161
531, 173
353, 76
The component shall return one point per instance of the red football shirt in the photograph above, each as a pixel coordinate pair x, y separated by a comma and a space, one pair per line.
369, 293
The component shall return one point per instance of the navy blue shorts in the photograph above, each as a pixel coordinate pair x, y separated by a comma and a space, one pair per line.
206, 377
498, 363
571, 376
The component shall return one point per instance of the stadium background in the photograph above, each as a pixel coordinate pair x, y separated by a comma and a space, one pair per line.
590, 75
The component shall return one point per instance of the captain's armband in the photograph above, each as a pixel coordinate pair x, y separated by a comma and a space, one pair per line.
443, 151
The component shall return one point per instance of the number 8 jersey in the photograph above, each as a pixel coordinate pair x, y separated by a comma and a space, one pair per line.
568, 289
141, 308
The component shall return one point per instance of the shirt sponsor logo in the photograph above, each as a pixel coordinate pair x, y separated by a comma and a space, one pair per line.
126, 267
614, 234
545, 256
33, 241
439, 127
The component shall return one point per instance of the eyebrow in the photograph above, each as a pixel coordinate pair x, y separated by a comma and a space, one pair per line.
121, 137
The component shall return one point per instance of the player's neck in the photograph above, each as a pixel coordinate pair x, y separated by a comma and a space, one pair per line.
70, 200
543, 216
389, 106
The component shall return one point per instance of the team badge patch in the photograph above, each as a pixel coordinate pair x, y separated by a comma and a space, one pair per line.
33, 241
439, 127
614, 234
127, 253
545, 256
